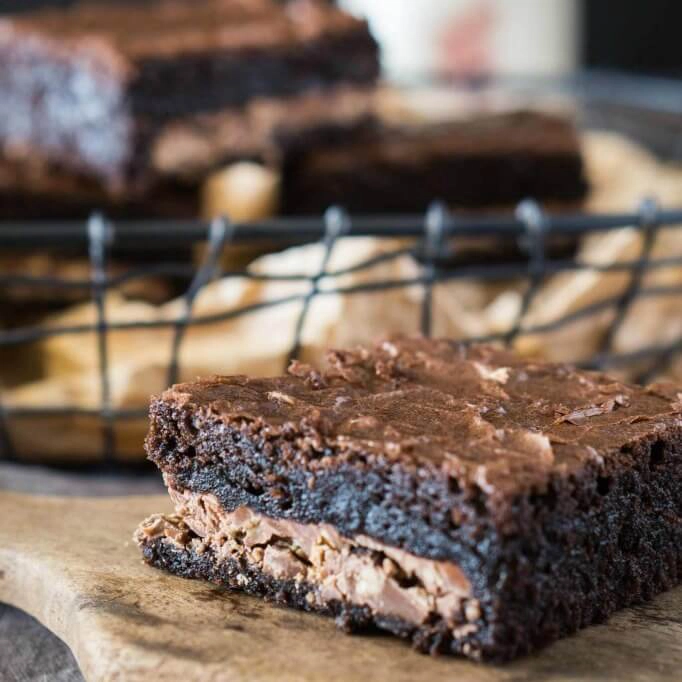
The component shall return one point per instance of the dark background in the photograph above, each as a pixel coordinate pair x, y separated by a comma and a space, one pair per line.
640, 36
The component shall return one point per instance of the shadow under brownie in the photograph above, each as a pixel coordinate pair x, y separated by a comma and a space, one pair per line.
459, 497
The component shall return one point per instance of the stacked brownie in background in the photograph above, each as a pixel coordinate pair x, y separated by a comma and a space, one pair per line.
92, 93
128, 108
489, 160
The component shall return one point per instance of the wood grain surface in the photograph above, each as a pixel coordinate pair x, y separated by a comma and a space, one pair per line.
71, 563
33, 652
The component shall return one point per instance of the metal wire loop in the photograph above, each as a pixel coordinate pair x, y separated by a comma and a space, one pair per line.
337, 223
99, 236
530, 213
220, 230
435, 227
535, 223
648, 212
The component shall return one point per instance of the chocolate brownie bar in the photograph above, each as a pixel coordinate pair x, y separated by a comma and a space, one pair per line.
492, 159
184, 152
36, 190
88, 86
460, 497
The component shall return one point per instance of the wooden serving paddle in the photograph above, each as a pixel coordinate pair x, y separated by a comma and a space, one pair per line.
71, 563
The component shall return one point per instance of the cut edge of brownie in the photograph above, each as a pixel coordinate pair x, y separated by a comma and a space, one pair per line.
181, 553
604, 537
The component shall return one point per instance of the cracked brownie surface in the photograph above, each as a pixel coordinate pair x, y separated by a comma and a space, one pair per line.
458, 496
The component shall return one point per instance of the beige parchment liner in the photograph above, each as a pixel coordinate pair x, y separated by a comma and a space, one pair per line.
258, 343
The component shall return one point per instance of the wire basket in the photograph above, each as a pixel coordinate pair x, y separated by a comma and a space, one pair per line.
434, 239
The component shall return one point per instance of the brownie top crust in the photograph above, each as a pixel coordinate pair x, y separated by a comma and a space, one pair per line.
168, 28
531, 132
478, 414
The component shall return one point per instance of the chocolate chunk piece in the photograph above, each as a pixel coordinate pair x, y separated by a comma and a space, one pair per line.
461, 497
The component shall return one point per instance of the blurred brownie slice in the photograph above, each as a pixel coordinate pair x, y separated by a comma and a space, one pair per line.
184, 153
35, 190
459, 497
88, 87
483, 161
188, 148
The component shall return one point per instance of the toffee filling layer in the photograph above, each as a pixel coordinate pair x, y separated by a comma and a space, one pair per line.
360, 570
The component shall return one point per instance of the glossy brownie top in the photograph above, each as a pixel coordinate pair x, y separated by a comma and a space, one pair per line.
479, 414
166, 28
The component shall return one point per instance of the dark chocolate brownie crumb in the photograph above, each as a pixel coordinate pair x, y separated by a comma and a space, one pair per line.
556, 492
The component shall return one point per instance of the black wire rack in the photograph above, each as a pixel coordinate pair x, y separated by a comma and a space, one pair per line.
435, 236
